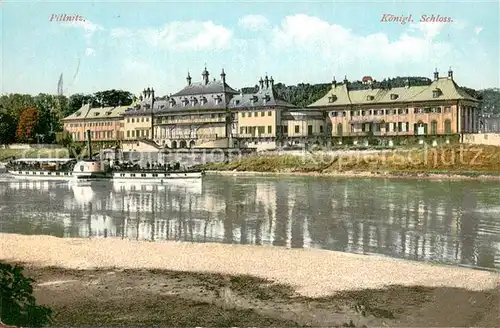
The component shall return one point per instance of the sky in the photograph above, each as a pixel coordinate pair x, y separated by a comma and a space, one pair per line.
132, 45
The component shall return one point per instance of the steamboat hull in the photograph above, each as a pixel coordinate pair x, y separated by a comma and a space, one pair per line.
157, 177
40, 175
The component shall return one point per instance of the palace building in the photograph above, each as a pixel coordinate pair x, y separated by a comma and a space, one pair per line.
265, 121
197, 115
104, 123
441, 109
210, 114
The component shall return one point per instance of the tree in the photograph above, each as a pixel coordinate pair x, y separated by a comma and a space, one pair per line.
17, 303
114, 98
7, 127
28, 121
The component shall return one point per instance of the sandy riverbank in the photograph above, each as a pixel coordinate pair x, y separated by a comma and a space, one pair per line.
342, 284
366, 174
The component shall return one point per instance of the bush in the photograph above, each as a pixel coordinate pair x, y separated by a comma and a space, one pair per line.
18, 305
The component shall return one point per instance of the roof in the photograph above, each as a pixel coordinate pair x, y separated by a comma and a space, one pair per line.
200, 88
265, 96
85, 112
79, 114
448, 89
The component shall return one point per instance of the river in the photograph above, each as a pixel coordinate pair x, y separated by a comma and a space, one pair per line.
450, 222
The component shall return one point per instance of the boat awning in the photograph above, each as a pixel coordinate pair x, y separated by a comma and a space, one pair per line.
59, 160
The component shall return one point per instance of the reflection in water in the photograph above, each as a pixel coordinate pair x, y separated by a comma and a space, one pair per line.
447, 222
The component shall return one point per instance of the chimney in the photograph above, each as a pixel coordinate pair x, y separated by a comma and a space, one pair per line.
346, 80
144, 93
152, 93
223, 77
450, 74
261, 84
334, 83
272, 82
148, 93
436, 75
266, 79
407, 83
205, 75
188, 79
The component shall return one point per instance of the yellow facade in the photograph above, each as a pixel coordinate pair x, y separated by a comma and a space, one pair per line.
136, 127
260, 123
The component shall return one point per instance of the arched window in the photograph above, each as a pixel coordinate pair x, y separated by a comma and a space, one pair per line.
447, 126
434, 127
339, 129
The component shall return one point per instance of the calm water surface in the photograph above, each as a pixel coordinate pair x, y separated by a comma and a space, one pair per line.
447, 222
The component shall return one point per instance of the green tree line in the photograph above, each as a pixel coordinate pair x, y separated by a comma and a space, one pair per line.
37, 119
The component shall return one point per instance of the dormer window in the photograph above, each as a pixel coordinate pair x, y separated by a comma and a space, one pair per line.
78, 114
394, 96
332, 98
194, 101
254, 99
203, 100
96, 114
267, 98
369, 98
436, 93
108, 113
185, 101
218, 99
236, 102
172, 102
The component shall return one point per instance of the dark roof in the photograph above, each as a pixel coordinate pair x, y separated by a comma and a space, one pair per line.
200, 88
265, 96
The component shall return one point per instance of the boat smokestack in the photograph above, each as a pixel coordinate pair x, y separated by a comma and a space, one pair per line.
89, 144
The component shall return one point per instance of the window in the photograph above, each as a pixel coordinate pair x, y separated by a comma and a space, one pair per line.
447, 109
339, 129
269, 113
133, 120
394, 96
321, 129
261, 130
434, 125
242, 130
387, 127
309, 129
262, 113
297, 129
242, 114
285, 129
269, 129
447, 126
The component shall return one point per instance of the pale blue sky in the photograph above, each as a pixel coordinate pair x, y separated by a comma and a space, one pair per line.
132, 45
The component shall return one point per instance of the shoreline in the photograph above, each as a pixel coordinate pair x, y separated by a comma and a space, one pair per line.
367, 174
92, 281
